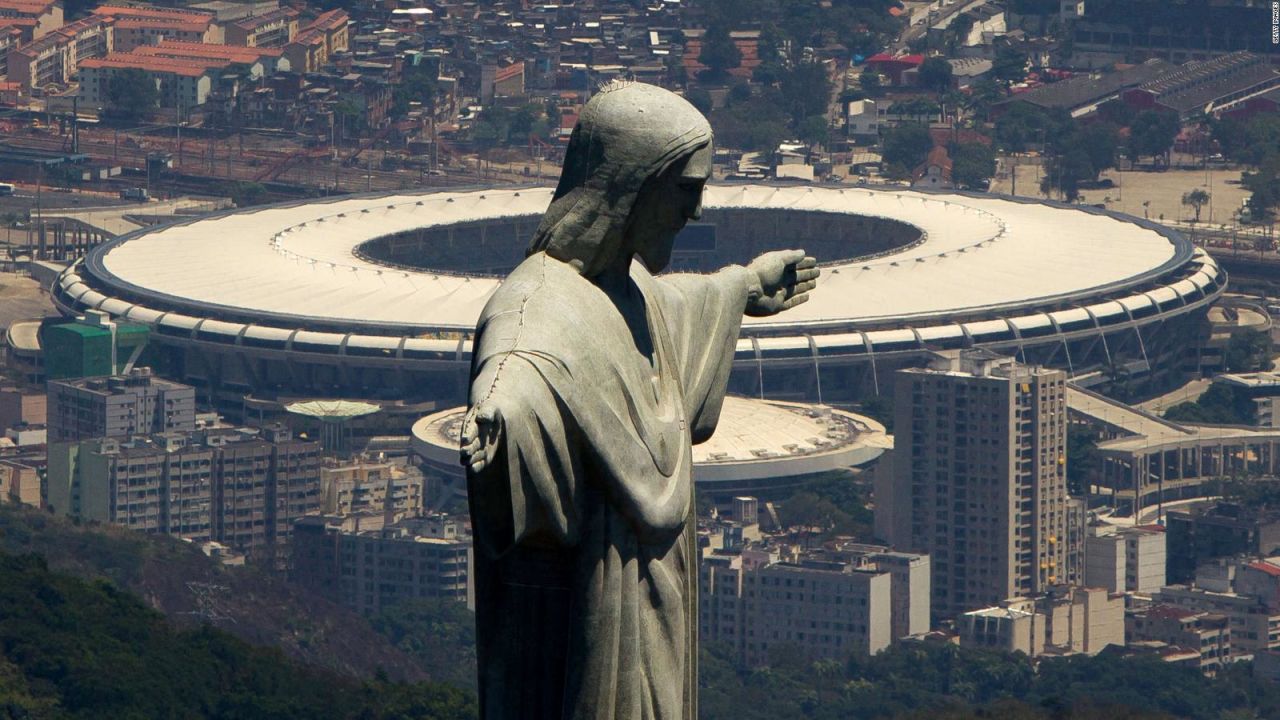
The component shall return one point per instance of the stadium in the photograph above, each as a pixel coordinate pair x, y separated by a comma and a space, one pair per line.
374, 297
760, 447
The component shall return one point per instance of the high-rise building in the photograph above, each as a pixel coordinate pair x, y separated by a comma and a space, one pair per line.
366, 565
243, 488
979, 479
1125, 559
118, 407
830, 603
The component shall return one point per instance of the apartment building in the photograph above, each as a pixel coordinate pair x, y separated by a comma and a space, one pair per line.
1125, 559
366, 565
979, 479
117, 407
1065, 620
244, 488
44, 16
1205, 633
272, 29
136, 26
315, 43
1255, 626
55, 58
368, 486
829, 603
19, 483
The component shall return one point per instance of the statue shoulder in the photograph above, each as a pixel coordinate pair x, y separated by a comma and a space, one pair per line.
540, 286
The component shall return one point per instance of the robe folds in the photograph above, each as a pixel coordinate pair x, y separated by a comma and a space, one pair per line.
585, 546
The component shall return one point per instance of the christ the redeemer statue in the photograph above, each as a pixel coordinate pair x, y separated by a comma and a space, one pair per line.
590, 381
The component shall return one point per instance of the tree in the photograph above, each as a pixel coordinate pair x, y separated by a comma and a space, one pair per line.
906, 146
700, 99
806, 89
869, 81
1196, 198
972, 165
1010, 64
1152, 133
417, 84
131, 94
1264, 184
1100, 140
1065, 173
719, 53
935, 74
814, 130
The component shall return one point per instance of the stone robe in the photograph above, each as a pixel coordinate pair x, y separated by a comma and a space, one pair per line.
586, 560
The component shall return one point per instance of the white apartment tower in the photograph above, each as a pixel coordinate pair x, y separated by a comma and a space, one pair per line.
980, 479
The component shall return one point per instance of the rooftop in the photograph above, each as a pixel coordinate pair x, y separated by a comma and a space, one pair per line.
172, 66
1086, 89
192, 50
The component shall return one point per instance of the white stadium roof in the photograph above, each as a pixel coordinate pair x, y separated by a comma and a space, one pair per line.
290, 266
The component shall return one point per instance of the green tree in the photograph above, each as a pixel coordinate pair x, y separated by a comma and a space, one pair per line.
1010, 64
1152, 133
869, 81
806, 90
131, 94
1264, 184
906, 146
972, 165
417, 84
1248, 351
935, 74
815, 130
719, 53
700, 99
1196, 199
1065, 172
1101, 141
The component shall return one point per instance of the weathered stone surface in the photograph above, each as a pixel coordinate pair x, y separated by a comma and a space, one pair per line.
591, 380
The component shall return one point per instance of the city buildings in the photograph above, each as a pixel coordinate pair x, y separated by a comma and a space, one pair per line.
1220, 530
1063, 621
979, 481
118, 406
19, 483
1206, 634
1125, 559
271, 29
366, 486
55, 58
843, 599
138, 25
244, 488
368, 565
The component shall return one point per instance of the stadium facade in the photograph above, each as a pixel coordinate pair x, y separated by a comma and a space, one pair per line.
375, 296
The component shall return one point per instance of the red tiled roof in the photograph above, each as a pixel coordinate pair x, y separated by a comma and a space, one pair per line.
185, 67
508, 72
232, 53
154, 12
1265, 567
330, 20
36, 7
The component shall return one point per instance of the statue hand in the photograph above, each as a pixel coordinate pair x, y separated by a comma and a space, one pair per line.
481, 436
786, 277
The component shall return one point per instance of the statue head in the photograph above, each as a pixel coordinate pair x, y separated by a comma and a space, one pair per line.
633, 176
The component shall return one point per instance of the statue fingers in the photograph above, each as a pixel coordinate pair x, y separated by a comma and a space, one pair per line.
795, 300
808, 261
804, 274
480, 462
803, 287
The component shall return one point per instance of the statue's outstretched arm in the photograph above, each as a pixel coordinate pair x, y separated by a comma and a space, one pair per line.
786, 277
